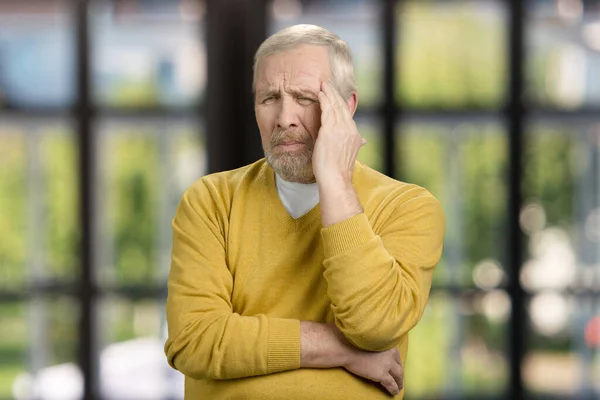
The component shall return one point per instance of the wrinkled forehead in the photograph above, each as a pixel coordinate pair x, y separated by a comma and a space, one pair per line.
304, 66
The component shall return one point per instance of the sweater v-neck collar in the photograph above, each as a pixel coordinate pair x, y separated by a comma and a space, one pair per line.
279, 210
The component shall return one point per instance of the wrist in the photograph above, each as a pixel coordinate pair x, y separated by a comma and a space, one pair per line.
334, 184
338, 204
322, 346
345, 351
341, 352
325, 346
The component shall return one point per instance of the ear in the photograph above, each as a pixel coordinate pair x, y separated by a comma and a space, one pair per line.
352, 103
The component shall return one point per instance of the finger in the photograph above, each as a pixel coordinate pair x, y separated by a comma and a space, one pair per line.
334, 98
397, 372
390, 385
340, 102
325, 104
363, 141
332, 93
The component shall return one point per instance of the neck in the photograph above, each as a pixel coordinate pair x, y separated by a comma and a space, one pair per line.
304, 178
293, 179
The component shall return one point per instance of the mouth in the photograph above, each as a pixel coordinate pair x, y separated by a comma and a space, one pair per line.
292, 145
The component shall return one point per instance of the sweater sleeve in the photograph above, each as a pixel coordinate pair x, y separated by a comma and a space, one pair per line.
379, 284
206, 339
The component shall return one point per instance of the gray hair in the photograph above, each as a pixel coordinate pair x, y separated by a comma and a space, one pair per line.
340, 57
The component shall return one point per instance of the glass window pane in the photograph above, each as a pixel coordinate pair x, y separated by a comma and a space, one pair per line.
565, 338
13, 205
59, 160
39, 228
561, 222
459, 348
463, 163
132, 360
38, 349
561, 214
145, 167
148, 53
35, 34
451, 54
356, 22
563, 48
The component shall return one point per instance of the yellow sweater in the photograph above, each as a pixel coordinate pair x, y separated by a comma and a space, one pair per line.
244, 273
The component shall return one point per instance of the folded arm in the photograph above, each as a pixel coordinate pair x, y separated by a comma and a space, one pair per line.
206, 338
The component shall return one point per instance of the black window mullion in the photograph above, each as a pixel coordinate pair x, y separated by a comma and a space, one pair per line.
234, 30
515, 110
389, 110
87, 356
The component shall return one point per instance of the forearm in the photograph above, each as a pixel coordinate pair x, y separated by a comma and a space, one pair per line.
338, 202
211, 346
379, 285
357, 309
322, 346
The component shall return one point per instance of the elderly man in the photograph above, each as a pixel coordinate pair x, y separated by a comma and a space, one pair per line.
299, 276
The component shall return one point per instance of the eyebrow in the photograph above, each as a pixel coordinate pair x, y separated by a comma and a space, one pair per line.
295, 92
267, 92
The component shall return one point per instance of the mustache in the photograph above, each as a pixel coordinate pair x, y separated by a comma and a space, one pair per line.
290, 135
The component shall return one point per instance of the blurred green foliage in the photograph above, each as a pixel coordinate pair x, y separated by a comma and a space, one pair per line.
453, 352
464, 166
451, 55
13, 203
550, 172
133, 204
59, 190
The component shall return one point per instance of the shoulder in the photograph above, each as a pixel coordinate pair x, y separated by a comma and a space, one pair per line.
221, 186
374, 186
396, 206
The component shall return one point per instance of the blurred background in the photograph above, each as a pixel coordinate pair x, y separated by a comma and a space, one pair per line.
109, 109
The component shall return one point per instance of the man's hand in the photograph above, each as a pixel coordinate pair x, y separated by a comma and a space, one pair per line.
384, 367
334, 157
324, 346
338, 141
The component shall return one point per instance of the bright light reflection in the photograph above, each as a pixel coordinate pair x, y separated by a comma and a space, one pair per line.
133, 369
591, 35
496, 306
532, 218
488, 274
568, 81
553, 262
549, 313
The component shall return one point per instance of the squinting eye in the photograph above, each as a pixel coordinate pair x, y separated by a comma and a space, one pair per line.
268, 100
305, 100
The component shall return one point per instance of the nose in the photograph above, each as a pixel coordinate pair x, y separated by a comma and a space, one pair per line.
288, 114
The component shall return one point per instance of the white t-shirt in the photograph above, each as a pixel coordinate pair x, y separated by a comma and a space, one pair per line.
297, 198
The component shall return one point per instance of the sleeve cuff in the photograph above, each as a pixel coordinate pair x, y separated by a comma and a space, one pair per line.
284, 345
346, 235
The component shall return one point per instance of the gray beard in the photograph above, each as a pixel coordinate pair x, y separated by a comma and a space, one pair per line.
293, 166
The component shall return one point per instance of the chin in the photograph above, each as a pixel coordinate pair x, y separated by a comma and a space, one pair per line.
292, 168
